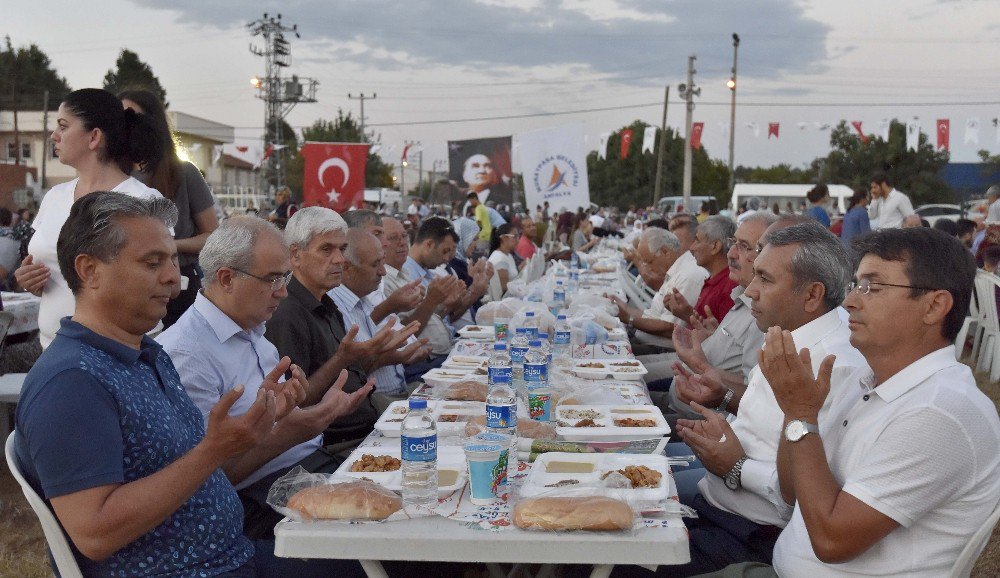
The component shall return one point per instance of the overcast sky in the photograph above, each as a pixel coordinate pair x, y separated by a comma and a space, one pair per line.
437, 63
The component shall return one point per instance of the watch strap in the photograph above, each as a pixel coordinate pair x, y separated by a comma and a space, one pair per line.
724, 406
734, 477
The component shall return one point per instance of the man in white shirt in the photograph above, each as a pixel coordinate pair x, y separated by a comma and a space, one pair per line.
597, 219
904, 467
888, 207
800, 279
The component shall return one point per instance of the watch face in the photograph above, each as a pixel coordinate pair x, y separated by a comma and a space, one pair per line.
794, 431
731, 483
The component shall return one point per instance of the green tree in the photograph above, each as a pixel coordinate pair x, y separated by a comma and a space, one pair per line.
130, 73
851, 162
632, 180
342, 129
25, 74
783, 174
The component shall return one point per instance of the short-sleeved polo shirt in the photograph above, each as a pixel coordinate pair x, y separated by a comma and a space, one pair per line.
95, 412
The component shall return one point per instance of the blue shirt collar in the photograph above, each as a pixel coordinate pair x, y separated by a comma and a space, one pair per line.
223, 325
148, 349
347, 297
415, 270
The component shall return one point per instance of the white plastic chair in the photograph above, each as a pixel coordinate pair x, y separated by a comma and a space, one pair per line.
495, 290
973, 322
58, 543
967, 558
635, 295
989, 345
980, 312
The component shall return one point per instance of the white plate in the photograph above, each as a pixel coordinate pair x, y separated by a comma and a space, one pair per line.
442, 376
619, 372
390, 423
477, 332
606, 414
465, 362
448, 458
648, 499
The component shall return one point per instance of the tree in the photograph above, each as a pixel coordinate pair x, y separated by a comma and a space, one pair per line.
343, 129
25, 74
783, 174
851, 162
130, 73
632, 180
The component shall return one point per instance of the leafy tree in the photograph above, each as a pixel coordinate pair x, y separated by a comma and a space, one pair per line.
852, 162
632, 180
130, 73
25, 74
783, 174
342, 129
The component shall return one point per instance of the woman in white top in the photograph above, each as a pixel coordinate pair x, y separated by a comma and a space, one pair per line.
102, 141
502, 244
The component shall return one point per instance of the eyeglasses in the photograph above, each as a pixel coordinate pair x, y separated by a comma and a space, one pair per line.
277, 283
865, 285
741, 245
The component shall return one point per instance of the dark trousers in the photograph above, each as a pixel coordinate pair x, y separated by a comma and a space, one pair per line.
416, 371
718, 539
259, 518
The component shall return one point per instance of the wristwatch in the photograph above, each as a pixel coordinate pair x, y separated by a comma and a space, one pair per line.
733, 478
797, 429
725, 401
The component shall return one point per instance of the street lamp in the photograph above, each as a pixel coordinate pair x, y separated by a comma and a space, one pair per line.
732, 114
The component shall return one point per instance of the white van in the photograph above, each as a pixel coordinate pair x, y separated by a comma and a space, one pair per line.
669, 205
784, 194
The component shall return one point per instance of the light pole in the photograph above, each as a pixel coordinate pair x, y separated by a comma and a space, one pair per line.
732, 115
688, 92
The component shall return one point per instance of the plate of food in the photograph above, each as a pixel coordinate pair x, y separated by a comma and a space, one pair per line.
642, 479
473, 362
620, 369
450, 416
609, 422
477, 332
382, 466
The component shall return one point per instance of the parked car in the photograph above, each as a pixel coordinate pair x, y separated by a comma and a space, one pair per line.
935, 212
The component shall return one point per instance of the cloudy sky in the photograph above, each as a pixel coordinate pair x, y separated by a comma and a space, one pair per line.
454, 69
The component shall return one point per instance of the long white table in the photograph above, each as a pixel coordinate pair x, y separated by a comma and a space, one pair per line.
24, 308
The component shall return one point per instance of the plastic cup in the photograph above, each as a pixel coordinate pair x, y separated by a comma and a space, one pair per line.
487, 471
501, 329
540, 403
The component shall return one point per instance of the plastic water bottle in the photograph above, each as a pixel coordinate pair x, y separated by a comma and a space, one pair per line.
546, 347
501, 403
531, 325
574, 277
418, 445
561, 341
574, 263
536, 381
558, 298
518, 349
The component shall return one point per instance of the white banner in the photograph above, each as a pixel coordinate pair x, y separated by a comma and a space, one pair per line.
555, 167
913, 134
648, 139
883, 129
972, 130
602, 147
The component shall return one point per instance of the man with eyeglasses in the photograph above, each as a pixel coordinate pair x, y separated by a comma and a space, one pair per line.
901, 470
800, 278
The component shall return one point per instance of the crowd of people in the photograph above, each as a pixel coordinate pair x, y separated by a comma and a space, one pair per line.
814, 378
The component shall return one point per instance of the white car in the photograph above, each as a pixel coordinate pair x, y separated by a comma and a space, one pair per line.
934, 212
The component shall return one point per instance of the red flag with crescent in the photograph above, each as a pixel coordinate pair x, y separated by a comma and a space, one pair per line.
857, 126
334, 175
943, 128
626, 143
772, 129
696, 129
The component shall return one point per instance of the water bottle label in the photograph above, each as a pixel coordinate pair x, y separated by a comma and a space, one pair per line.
540, 405
561, 338
501, 416
536, 372
500, 330
419, 449
517, 355
501, 375
558, 295
532, 333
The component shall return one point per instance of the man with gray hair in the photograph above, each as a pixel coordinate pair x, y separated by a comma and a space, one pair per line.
660, 250
800, 279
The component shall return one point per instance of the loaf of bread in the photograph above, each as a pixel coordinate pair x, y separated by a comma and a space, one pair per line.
361, 500
593, 513
468, 390
526, 428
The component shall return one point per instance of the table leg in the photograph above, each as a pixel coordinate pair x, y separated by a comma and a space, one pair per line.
373, 569
602, 570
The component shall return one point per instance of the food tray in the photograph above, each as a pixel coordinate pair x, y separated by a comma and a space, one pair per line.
477, 332
464, 410
648, 499
604, 416
442, 376
466, 362
449, 459
619, 369
630, 392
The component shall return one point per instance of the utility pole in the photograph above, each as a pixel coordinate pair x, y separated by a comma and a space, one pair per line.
280, 94
660, 148
688, 92
362, 97
732, 116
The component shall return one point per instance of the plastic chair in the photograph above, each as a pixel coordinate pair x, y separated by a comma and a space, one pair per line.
62, 554
989, 345
967, 558
495, 290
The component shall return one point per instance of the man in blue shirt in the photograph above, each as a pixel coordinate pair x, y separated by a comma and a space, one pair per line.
135, 481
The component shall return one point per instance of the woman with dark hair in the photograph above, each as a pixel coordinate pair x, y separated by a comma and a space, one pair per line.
182, 183
856, 221
819, 196
503, 240
102, 141
583, 235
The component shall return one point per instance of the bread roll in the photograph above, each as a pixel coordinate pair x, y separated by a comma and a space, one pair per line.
361, 500
526, 428
468, 390
593, 513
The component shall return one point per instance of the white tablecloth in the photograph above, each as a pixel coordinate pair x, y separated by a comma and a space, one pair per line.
24, 307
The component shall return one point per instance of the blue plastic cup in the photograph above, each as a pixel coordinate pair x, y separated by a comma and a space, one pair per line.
487, 471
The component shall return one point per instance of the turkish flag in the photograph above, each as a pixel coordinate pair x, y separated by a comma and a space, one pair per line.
772, 129
626, 143
334, 175
943, 128
696, 130
857, 126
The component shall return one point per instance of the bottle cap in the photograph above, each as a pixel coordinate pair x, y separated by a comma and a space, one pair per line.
543, 336
529, 314
500, 347
561, 316
418, 403
520, 330
535, 343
